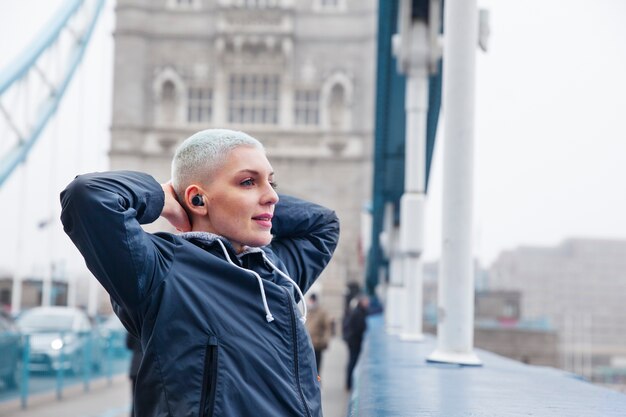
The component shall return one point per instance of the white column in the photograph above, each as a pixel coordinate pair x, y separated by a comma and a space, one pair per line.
46, 285
92, 301
46, 279
18, 274
394, 296
455, 327
72, 289
16, 293
413, 199
394, 306
286, 103
220, 101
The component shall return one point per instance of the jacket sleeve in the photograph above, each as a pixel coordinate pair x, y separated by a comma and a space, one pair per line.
102, 213
305, 237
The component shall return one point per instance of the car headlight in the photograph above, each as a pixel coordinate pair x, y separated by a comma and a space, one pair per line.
56, 344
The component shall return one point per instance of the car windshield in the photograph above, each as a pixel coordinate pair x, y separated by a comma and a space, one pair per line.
46, 322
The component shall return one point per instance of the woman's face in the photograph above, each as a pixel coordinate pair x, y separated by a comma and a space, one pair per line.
241, 197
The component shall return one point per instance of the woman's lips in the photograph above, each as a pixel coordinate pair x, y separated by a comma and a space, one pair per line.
264, 220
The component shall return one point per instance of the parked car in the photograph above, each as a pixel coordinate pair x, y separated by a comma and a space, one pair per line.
10, 352
113, 334
60, 338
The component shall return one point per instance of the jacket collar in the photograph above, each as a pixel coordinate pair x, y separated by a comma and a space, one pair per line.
209, 239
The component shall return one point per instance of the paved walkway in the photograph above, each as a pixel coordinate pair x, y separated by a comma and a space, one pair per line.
104, 400
334, 396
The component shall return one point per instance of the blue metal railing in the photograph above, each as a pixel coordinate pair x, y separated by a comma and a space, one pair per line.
393, 378
54, 371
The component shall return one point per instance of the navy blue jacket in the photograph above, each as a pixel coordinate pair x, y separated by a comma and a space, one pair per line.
197, 307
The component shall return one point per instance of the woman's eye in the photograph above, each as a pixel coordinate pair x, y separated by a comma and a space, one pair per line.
249, 182
273, 185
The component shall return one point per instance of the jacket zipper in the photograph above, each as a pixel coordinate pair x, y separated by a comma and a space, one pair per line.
207, 398
295, 355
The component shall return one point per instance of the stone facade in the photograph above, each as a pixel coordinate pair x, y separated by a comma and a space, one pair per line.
296, 74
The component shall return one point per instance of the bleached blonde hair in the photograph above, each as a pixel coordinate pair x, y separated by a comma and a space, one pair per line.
197, 158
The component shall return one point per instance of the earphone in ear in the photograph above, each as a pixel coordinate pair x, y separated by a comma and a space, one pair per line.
197, 200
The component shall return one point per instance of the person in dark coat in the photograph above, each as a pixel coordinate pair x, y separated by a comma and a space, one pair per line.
354, 327
133, 344
219, 308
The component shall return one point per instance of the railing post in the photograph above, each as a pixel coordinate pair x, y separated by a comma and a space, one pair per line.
60, 370
25, 374
109, 360
87, 361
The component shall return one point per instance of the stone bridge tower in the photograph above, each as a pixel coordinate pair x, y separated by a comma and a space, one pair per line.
296, 74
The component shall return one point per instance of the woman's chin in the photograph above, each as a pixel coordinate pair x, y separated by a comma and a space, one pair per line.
260, 241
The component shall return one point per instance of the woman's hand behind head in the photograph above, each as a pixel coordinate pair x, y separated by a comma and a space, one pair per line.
173, 211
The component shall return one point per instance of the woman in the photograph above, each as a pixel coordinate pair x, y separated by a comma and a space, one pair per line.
215, 307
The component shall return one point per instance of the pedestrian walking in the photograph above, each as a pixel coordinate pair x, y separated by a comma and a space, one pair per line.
320, 326
216, 306
354, 327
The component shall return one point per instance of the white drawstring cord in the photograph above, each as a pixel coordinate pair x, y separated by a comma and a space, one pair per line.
288, 278
268, 313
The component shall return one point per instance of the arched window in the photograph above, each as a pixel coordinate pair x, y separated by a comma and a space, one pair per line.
336, 100
170, 96
337, 107
169, 103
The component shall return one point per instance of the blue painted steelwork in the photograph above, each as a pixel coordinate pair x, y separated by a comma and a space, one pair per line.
393, 379
20, 67
25, 63
389, 135
388, 182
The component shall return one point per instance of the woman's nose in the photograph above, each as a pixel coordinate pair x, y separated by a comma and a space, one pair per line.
270, 197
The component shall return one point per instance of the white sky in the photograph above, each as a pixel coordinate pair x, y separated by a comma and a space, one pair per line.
550, 140
550, 135
77, 138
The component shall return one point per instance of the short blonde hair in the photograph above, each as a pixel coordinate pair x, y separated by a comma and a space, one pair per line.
200, 154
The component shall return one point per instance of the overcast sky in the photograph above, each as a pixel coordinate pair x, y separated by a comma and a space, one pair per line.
550, 139
550, 131
77, 138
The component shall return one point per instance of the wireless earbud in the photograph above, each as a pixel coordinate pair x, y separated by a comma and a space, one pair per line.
197, 200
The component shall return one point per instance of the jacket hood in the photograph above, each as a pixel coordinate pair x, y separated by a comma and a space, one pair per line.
209, 238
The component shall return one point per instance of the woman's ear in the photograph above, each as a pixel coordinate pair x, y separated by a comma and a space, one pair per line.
195, 200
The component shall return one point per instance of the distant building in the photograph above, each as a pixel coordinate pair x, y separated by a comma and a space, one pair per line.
297, 74
535, 346
503, 306
580, 287
498, 326
31, 292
